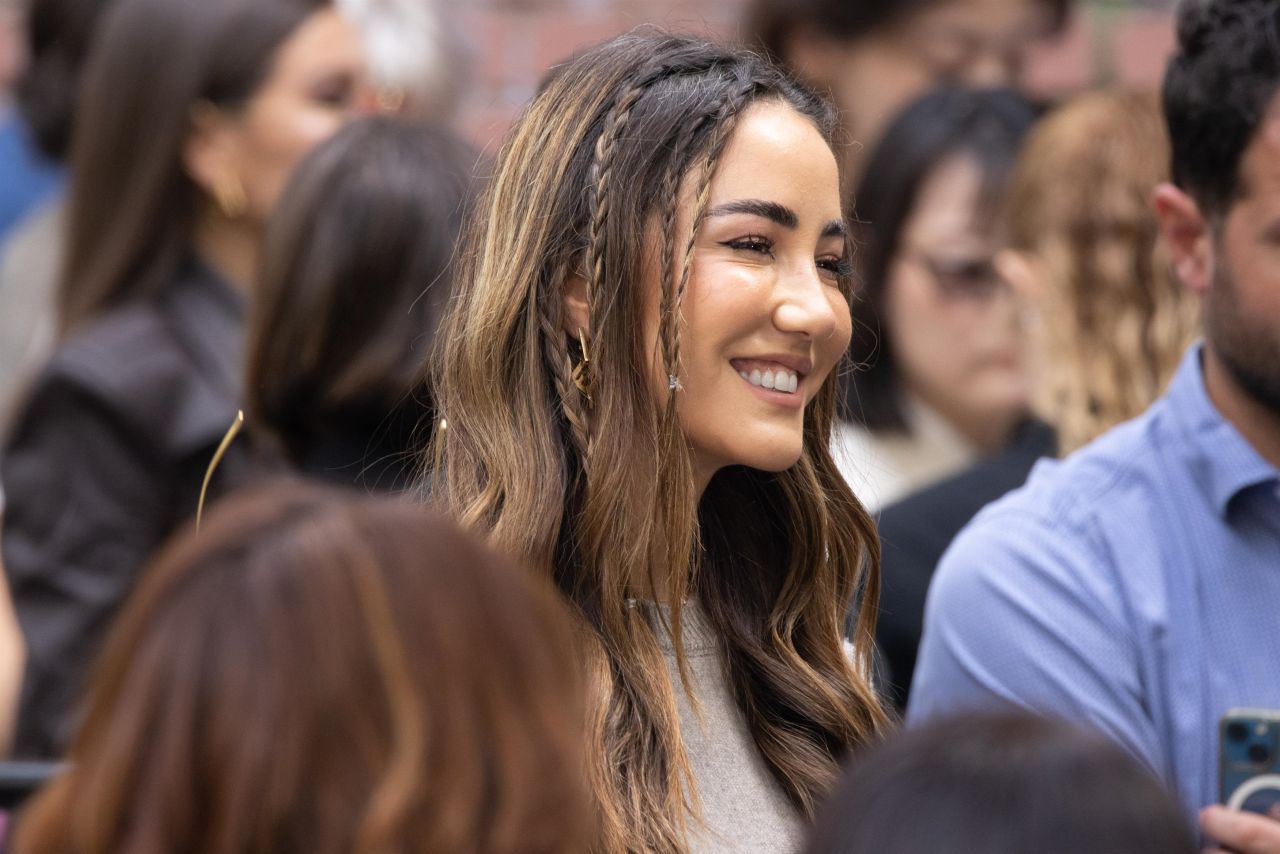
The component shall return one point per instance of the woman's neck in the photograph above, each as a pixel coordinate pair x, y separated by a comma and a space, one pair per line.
985, 433
230, 248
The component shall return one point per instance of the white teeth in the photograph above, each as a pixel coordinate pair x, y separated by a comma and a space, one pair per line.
779, 380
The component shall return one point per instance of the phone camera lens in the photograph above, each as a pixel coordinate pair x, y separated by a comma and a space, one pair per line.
1258, 753
1237, 731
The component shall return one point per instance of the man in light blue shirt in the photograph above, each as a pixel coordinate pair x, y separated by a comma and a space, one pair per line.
1136, 585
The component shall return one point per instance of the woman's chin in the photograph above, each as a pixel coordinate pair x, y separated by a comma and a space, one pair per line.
774, 461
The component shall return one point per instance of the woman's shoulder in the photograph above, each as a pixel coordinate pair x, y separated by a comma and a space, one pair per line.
128, 366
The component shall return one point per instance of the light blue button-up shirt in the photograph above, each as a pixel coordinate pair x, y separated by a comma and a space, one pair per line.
1134, 586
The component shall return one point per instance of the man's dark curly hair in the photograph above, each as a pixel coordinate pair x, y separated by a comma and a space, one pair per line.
1217, 90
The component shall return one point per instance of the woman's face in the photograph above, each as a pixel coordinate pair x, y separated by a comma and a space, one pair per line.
954, 322
315, 82
764, 319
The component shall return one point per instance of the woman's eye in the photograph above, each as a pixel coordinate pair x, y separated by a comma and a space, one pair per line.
336, 94
759, 245
835, 265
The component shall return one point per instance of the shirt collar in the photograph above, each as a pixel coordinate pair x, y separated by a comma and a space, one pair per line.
1221, 459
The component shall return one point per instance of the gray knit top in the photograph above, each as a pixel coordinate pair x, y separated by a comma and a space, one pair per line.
743, 807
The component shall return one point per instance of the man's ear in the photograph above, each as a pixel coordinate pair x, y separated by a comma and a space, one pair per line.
1188, 235
209, 153
576, 318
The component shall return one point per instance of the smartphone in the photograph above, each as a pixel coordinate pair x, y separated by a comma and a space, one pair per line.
1249, 760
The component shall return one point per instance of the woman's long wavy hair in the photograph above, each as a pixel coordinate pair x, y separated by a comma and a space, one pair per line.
595, 489
1116, 321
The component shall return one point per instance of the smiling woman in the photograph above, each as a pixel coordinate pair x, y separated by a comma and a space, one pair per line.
637, 381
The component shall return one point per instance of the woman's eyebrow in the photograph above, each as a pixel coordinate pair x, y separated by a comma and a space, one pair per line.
835, 228
781, 214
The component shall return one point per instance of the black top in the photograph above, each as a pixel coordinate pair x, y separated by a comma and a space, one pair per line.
375, 448
104, 461
916, 530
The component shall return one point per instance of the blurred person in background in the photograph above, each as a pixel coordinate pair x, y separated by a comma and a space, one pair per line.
1111, 321
193, 114
416, 57
1132, 585
58, 35
321, 673
939, 373
356, 274
999, 783
873, 57
938, 393
638, 382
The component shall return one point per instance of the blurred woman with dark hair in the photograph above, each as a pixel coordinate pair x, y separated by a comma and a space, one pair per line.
317, 673
937, 395
873, 57
193, 113
940, 376
1000, 783
355, 277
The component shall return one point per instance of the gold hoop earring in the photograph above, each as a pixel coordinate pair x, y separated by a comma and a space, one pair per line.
231, 198
582, 371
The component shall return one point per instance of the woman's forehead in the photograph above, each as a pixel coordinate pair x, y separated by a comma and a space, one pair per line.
777, 154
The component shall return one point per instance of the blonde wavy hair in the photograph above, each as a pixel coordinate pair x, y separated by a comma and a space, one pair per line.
1114, 319
575, 468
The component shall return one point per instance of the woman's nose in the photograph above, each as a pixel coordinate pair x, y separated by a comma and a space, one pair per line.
804, 304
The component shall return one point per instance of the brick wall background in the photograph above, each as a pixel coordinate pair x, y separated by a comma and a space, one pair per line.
513, 42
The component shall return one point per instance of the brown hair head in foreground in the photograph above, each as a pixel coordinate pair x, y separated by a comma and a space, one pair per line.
318, 672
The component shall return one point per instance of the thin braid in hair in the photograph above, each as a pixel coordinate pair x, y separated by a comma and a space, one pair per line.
725, 123
599, 176
602, 168
560, 366
669, 317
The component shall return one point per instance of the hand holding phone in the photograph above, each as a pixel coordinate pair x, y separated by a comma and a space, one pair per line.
1240, 832
1249, 761
1249, 784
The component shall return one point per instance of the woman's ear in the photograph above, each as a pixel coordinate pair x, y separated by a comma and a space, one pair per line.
576, 317
210, 156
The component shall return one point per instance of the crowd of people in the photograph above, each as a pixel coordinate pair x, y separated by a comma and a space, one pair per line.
805, 442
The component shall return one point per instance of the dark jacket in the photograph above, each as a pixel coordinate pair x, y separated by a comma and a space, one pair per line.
915, 531
104, 461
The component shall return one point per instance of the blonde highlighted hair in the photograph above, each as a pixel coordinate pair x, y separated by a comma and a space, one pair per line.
590, 482
1115, 319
